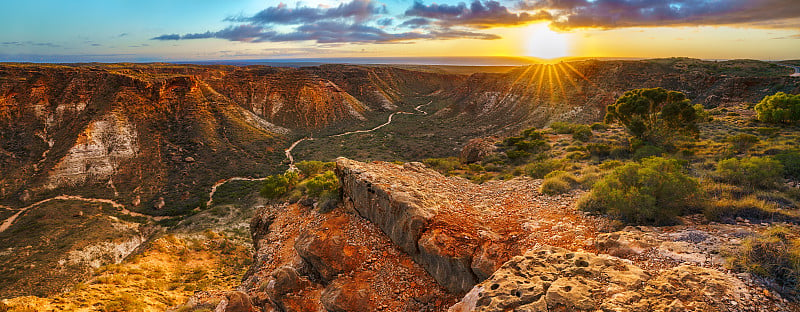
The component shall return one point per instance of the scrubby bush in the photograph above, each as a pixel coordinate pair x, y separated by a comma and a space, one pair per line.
647, 151
599, 126
582, 133
743, 142
558, 182
443, 165
276, 185
781, 107
774, 254
750, 172
539, 169
326, 182
791, 163
562, 127
312, 167
654, 191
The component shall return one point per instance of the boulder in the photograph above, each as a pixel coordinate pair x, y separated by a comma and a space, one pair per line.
476, 150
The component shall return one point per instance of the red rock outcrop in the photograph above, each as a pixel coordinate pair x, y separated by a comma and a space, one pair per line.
458, 231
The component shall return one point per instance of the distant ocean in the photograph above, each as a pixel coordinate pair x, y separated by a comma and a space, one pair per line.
449, 61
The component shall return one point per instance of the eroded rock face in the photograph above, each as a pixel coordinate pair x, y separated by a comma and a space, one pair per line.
553, 278
556, 279
98, 152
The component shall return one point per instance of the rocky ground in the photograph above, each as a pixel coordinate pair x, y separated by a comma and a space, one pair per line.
409, 239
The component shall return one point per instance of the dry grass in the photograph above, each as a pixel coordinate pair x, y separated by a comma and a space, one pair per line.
170, 270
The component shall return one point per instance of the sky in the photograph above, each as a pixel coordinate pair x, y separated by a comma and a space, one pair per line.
195, 30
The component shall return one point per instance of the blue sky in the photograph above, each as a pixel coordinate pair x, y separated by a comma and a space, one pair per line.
175, 30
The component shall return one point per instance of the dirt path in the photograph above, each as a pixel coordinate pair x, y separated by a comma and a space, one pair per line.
120, 207
288, 151
10, 220
221, 182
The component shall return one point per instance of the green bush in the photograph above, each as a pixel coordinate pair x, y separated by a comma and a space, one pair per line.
647, 151
791, 163
582, 133
443, 165
558, 182
599, 126
276, 185
743, 142
326, 182
750, 172
312, 167
780, 107
562, 127
599, 149
774, 254
654, 191
539, 169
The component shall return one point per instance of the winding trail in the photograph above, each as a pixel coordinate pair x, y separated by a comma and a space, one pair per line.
121, 208
288, 151
796, 69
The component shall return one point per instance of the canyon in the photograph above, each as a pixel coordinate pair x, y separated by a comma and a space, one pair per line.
98, 162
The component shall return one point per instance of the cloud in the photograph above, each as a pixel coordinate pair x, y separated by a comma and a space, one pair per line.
416, 22
569, 14
478, 14
30, 43
360, 10
357, 21
244, 33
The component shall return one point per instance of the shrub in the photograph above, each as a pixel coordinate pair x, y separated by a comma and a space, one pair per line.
599, 150
326, 182
443, 165
743, 142
791, 163
562, 127
558, 182
276, 185
539, 169
781, 107
534, 146
774, 254
751, 172
654, 191
312, 167
582, 133
599, 126
647, 151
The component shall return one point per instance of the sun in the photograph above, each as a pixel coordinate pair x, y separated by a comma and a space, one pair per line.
544, 43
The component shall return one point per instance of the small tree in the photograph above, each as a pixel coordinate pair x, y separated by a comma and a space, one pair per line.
780, 107
654, 115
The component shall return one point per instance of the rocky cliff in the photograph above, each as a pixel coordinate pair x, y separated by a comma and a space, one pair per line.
140, 133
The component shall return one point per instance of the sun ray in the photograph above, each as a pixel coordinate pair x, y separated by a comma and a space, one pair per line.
560, 84
567, 76
550, 83
541, 82
584, 78
532, 78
